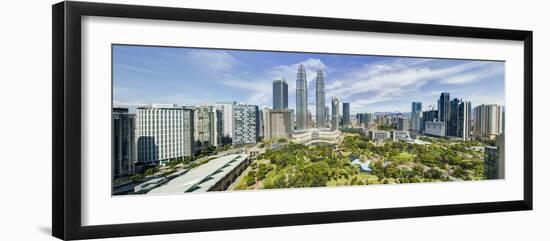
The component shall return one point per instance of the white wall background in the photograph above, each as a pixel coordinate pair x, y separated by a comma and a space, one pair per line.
25, 92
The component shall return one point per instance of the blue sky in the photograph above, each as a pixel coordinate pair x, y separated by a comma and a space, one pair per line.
191, 76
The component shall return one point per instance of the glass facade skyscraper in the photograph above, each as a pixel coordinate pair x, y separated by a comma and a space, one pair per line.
452, 127
345, 115
416, 116
301, 99
123, 143
428, 116
280, 94
444, 108
320, 100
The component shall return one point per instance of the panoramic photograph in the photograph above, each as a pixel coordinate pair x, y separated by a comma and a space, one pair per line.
193, 120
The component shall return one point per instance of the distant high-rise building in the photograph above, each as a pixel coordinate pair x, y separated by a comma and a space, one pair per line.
227, 120
245, 124
208, 126
123, 143
327, 115
370, 118
388, 120
380, 120
416, 107
487, 121
320, 100
452, 127
444, 108
265, 116
416, 116
403, 124
493, 162
259, 121
292, 119
280, 94
335, 113
464, 120
346, 114
309, 119
490, 162
364, 118
163, 133
430, 115
260, 124
277, 124
435, 128
301, 99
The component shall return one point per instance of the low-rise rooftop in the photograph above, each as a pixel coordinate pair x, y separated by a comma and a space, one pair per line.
203, 177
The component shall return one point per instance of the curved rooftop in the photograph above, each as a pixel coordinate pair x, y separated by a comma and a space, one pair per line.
203, 177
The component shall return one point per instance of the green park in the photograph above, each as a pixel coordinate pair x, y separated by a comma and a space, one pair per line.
391, 162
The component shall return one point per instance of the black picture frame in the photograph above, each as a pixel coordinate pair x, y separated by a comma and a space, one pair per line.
66, 122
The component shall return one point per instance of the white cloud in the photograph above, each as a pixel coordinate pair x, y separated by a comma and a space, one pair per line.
374, 86
213, 60
392, 80
472, 77
135, 68
260, 91
484, 97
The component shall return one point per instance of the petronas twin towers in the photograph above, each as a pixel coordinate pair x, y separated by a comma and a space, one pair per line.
320, 114
301, 99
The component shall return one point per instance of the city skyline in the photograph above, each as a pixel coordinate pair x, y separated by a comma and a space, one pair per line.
144, 75
223, 131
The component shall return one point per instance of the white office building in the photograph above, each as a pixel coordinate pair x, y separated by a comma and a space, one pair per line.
314, 135
487, 121
276, 124
163, 133
378, 135
434, 128
400, 135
